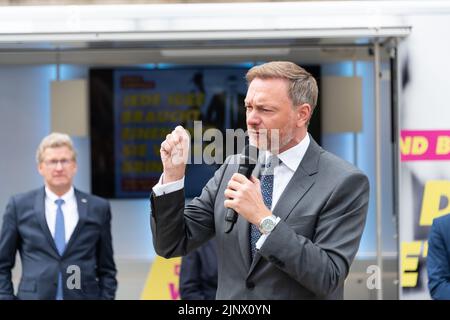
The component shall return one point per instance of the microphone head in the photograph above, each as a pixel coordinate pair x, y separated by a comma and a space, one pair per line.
248, 160
249, 155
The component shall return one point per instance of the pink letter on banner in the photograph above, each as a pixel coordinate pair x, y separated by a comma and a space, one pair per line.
425, 145
174, 292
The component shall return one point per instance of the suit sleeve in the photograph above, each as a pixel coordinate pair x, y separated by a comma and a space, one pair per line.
190, 280
321, 264
106, 268
9, 242
438, 263
176, 229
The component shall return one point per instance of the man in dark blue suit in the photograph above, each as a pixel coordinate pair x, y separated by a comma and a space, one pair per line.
438, 259
198, 273
63, 235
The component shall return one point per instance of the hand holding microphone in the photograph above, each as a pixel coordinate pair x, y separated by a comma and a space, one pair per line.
247, 163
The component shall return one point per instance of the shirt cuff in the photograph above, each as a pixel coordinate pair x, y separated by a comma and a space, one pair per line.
160, 189
263, 237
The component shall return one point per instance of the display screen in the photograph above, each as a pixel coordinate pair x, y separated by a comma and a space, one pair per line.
132, 111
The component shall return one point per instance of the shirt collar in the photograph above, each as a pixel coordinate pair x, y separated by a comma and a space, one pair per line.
67, 196
294, 155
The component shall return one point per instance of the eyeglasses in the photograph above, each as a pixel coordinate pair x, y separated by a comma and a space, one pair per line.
54, 163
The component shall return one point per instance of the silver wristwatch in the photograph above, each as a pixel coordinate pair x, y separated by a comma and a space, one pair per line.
267, 224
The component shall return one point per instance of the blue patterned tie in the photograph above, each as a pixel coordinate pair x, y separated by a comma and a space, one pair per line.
60, 241
266, 191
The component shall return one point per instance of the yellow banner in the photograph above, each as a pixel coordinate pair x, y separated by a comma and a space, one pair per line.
163, 280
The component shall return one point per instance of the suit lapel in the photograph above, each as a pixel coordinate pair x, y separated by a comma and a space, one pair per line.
82, 206
300, 183
39, 208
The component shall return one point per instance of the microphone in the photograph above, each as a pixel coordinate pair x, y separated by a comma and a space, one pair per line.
247, 162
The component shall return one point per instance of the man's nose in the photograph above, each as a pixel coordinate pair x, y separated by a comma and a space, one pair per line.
253, 118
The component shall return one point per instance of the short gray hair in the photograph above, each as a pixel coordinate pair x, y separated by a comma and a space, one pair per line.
302, 85
55, 140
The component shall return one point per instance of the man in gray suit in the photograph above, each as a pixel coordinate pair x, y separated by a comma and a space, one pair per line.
298, 229
62, 234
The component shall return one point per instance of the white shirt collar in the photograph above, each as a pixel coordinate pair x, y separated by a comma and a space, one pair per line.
294, 155
52, 196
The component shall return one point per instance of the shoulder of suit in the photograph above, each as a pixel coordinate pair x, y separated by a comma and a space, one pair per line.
90, 197
443, 220
27, 195
338, 165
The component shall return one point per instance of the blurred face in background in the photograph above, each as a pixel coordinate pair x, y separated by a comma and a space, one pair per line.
58, 169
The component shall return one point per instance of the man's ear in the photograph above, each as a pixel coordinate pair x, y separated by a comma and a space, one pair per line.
39, 167
303, 114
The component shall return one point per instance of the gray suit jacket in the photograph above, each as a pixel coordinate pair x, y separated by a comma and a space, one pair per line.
90, 248
309, 253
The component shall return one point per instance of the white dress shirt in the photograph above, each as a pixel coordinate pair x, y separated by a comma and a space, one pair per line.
290, 160
69, 209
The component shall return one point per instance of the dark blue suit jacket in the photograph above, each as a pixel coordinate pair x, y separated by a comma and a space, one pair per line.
438, 259
198, 273
89, 248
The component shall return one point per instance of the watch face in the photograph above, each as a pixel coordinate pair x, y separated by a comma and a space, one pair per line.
267, 225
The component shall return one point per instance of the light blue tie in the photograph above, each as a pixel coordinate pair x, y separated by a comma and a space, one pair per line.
266, 191
60, 241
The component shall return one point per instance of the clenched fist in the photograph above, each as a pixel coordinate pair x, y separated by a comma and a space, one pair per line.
174, 154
